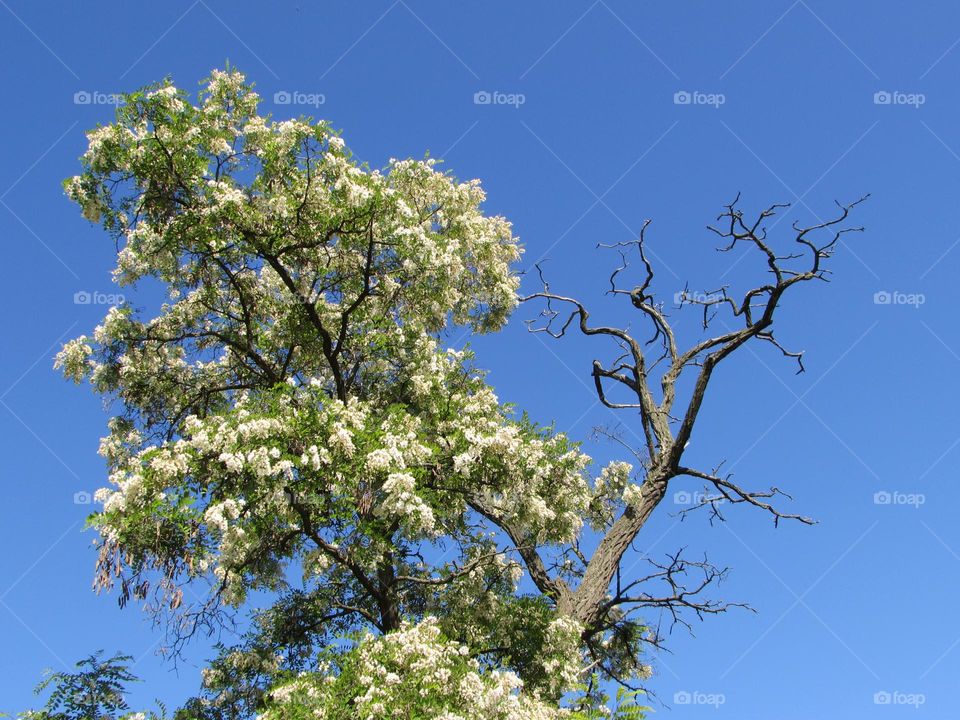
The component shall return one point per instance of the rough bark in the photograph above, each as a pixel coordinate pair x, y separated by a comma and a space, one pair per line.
585, 604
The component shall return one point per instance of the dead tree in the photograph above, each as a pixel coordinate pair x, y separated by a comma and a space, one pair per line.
649, 370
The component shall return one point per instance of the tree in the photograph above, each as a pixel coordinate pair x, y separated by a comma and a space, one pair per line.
95, 692
665, 435
289, 421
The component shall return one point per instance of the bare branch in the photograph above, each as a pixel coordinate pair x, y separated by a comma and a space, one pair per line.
729, 492
749, 317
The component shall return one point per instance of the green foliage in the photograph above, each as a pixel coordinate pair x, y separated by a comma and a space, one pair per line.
289, 420
95, 692
415, 672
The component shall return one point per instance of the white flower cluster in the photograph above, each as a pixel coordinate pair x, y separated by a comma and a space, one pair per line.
608, 490
354, 460
563, 659
402, 500
413, 672
540, 484
220, 515
633, 494
75, 359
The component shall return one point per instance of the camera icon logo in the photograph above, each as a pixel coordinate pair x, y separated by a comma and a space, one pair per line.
82, 298
682, 97
882, 698
82, 498
282, 97
882, 97
482, 97
82, 97
882, 298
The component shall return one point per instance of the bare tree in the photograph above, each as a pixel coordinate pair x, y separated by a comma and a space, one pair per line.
650, 371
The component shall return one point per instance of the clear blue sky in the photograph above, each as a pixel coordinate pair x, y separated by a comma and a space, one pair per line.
862, 603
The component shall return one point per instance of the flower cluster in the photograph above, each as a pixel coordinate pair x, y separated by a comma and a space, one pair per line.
402, 500
289, 456
608, 490
413, 672
562, 655
420, 238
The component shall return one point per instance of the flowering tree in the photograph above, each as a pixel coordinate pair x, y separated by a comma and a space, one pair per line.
288, 421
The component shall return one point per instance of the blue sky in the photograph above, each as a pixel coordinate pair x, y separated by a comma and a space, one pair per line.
585, 138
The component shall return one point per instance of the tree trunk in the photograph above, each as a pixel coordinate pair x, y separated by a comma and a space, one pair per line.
585, 603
